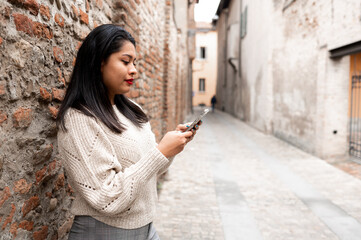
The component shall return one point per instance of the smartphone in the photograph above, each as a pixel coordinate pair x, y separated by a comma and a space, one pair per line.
205, 111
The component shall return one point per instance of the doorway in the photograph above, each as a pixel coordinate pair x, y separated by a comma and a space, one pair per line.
354, 109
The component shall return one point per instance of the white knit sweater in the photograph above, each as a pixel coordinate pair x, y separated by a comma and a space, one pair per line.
114, 175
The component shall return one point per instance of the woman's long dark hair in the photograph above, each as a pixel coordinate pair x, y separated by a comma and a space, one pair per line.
87, 92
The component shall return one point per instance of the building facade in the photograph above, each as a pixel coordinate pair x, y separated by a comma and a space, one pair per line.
38, 43
285, 68
205, 65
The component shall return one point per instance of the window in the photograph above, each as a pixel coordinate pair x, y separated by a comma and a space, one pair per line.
202, 85
203, 52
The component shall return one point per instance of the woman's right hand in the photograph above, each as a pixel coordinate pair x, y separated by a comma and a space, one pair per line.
173, 143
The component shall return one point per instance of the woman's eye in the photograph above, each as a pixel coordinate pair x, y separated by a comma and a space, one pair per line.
125, 62
134, 63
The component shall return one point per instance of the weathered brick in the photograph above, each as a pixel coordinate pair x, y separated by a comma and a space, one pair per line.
9, 219
52, 166
84, 18
87, 6
3, 117
141, 100
108, 12
122, 5
14, 229
22, 117
4, 195
58, 54
59, 183
43, 154
69, 190
54, 237
45, 95
53, 111
41, 234
132, 3
99, 3
59, 20
7, 11
58, 94
45, 12
25, 24
30, 204
42, 31
134, 93
29, 226
60, 76
84, 33
32, 6
75, 12
39, 175
22, 186
146, 86
122, 17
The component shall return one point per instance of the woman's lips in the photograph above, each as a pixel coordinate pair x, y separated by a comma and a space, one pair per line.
130, 81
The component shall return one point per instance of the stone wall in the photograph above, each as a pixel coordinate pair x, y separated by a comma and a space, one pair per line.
288, 85
38, 44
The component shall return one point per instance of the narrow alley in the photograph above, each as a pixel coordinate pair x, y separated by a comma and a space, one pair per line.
233, 182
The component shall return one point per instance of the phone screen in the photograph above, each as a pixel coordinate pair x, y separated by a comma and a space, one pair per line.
205, 111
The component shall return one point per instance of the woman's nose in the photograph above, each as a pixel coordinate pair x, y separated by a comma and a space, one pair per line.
132, 70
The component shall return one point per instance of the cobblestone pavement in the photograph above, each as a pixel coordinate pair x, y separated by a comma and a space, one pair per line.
233, 182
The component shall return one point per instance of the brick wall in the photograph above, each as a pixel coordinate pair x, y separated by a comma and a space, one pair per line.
38, 44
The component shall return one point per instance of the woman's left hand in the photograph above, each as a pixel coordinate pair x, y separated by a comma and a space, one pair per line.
183, 127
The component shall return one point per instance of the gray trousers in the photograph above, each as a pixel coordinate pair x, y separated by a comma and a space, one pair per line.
88, 228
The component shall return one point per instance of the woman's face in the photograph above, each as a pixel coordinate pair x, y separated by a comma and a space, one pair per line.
118, 71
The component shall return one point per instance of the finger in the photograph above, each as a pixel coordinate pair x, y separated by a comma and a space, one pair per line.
196, 127
200, 122
182, 127
187, 134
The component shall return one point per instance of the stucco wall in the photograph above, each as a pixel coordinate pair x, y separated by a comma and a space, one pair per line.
310, 89
205, 68
256, 65
289, 85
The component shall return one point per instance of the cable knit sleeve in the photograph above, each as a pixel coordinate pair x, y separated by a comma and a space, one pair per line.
91, 162
165, 168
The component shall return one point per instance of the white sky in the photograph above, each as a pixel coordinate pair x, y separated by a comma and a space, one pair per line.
205, 10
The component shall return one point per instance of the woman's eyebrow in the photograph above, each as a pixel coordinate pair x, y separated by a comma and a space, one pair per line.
128, 55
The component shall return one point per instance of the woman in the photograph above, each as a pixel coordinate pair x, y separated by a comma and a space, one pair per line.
108, 149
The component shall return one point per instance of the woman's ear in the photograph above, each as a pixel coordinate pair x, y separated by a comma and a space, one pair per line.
101, 67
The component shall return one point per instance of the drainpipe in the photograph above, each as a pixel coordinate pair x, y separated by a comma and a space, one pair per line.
225, 60
240, 42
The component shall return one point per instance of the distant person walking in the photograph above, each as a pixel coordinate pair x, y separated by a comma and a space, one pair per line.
213, 102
